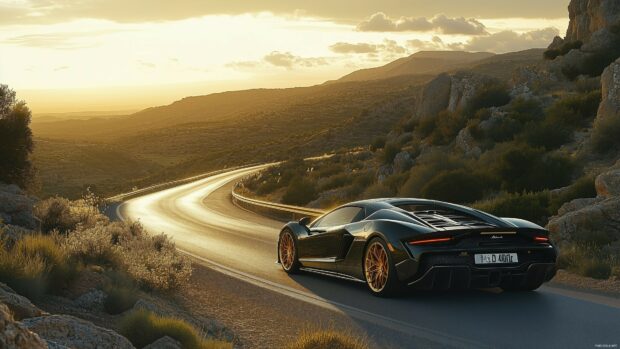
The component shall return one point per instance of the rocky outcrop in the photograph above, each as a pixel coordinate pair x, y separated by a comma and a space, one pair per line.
20, 306
589, 16
610, 90
448, 92
164, 343
16, 207
466, 143
435, 96
14, 335
384, 172
591, 217
75, 333
92, 300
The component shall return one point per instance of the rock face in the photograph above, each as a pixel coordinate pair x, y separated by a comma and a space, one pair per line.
14, 335
610, 90
92, 300
466, 143
598, 216
402, 162
20, 306
16, 207
75, 333
589, 16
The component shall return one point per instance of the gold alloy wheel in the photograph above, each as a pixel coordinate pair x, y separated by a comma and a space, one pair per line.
287, 251
376, 266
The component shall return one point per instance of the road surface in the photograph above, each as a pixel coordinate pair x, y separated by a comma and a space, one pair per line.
204, 223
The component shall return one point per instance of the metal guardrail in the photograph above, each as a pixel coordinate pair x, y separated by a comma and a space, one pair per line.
273, 209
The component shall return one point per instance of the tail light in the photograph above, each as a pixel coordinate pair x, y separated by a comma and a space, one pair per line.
429, 241
541, 239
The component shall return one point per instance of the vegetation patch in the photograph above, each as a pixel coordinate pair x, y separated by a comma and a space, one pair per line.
329, 339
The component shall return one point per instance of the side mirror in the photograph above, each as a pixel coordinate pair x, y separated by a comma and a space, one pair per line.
304, 221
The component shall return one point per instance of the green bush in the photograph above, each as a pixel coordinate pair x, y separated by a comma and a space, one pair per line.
142, 327
574, 110
447, 126
378, 190
552, 53
335, 181
524, 168
299, 192
328, 339
35, 265
546, 134
16, 145
119, 299
425, 169
530, 206
525, 110
389, 152
460, 186
492, 94
55, 214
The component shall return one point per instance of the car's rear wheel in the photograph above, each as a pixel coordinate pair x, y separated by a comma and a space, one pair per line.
379, 270
287, 252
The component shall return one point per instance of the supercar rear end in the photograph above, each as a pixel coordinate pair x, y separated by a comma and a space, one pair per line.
465, 251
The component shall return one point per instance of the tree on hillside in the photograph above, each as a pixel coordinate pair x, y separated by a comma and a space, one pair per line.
15, 139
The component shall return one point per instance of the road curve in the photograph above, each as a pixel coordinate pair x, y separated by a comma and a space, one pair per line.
205, 224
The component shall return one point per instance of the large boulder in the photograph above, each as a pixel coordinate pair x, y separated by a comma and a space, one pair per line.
610, 90
589, 16
76, 333
435, 96
14, 335
402, 162
16, 207
20, 306
466, 143
591, 217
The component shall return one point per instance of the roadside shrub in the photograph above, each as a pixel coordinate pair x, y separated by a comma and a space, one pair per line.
524, 168
574, 110
378, 190
35, 265
585, 259
119, 299
154, 262
594, 268
300, 191
530, 206
389, 152
335, 181
460, 186
329, 339
55, 214
493, 94
546, 134
447, 126
425, 169
525, 109
142, 327
96, 245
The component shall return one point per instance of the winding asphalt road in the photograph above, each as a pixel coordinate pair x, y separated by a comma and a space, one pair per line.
207, 225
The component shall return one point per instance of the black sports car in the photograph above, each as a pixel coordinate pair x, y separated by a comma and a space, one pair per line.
426, 244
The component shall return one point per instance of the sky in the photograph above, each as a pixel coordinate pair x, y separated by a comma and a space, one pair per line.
109, 55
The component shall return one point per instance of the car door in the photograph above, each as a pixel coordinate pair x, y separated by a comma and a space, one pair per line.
324, 243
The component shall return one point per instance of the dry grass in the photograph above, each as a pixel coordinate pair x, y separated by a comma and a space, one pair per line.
143, 327
330, 338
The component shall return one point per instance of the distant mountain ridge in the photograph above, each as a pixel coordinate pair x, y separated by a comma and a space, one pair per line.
422, 62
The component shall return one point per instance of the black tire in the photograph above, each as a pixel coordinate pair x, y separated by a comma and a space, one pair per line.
392, 286
292, 266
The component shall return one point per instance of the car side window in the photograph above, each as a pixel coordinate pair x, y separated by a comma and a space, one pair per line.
341, 216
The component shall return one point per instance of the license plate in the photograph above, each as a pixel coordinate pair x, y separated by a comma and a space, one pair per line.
495, 258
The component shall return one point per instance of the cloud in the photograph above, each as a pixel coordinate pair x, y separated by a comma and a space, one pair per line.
59, 40
345, 47
508, 41
389, 47
459, 25
380, 22
280, 59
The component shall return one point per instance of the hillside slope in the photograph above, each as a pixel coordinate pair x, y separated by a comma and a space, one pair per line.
423, 62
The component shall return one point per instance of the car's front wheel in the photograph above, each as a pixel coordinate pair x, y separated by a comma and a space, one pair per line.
379, 269
287, 252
